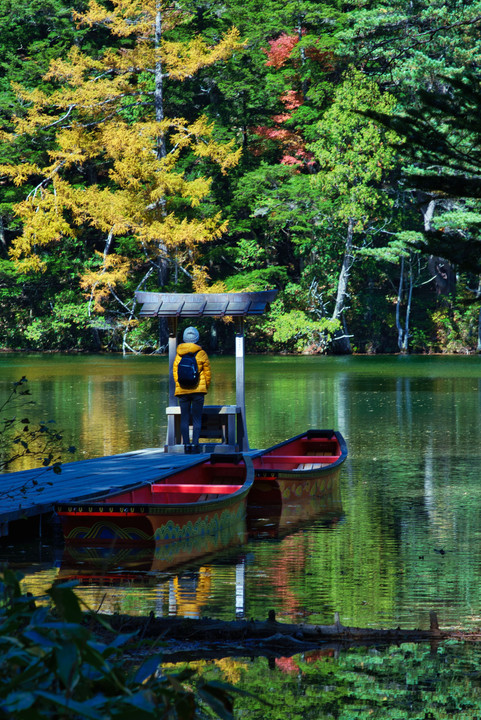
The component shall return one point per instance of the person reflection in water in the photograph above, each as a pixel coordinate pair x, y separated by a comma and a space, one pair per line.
192, 377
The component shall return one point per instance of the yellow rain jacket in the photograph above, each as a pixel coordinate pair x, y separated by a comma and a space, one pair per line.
202, 363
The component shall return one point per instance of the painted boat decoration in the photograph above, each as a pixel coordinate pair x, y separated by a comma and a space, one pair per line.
304, 467
205, 499
108, 565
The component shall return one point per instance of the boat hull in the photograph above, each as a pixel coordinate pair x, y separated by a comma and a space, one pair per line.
206, 500
283, 489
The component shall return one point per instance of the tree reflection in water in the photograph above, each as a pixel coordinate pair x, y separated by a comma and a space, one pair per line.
410, 681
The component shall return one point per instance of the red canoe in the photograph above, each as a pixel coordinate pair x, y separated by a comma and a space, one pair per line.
305, 466
205, 499
210, 497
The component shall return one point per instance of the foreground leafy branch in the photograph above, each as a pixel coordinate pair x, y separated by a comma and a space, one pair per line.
52, 665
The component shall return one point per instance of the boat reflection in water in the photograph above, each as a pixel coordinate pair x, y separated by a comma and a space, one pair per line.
182, 578
277, 521
119, 563
141, 564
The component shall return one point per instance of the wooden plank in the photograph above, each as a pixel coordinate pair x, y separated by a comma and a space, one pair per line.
208, 410
35, 492
309, 466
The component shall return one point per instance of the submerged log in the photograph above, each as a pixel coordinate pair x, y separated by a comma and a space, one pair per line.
205, 638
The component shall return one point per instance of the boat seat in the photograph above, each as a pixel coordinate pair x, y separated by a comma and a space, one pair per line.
310, 466
194, 488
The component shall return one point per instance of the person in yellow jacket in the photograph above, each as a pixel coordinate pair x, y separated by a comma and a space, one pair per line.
191, 398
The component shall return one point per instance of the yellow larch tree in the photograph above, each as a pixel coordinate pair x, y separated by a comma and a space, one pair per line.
117, 166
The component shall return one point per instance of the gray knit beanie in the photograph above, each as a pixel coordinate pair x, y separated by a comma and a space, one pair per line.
191, 335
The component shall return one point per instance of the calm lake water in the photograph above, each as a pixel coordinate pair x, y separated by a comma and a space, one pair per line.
407, 537
404, 539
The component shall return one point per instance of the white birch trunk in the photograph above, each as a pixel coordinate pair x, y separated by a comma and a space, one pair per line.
478, 347
3, 242
403, 332
341, 341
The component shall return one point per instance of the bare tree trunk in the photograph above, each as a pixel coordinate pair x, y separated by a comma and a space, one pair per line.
3, 242
400, 329
341, 343
159, 82
219, 638
403, 332
408, 304
125, 345
428, 213
478, 347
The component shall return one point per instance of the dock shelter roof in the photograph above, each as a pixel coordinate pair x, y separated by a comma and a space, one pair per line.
203, 304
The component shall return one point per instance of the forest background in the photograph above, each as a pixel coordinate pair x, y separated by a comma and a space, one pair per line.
330, 150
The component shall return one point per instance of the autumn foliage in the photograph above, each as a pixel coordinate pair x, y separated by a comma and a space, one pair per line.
113, 166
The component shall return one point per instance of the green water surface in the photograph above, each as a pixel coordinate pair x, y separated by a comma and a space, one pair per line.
408, 538
405, 539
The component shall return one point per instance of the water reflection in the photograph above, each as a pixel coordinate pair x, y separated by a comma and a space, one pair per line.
406, 539
411, 681
410, 488
165, 577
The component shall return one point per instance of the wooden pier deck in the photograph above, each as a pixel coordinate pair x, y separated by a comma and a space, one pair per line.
32, 493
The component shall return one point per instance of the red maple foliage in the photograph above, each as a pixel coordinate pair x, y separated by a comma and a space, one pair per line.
293, 144
281, 49
292, 99
295, 153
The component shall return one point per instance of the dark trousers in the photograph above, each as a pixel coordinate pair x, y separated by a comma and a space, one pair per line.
191, 404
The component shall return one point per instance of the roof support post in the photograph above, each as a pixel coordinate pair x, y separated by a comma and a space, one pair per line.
173, 322
240, 377
172, 353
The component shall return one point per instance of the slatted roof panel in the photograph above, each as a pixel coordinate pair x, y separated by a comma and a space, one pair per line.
210, 304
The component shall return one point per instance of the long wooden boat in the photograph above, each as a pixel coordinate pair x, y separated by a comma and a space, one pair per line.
304, 467
207, 498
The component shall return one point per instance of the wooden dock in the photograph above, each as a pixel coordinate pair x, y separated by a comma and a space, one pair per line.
33, 493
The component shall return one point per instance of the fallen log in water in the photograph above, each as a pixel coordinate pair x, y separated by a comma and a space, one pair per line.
205, 638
